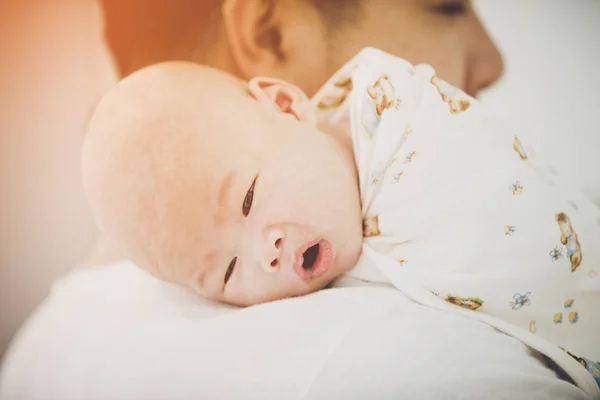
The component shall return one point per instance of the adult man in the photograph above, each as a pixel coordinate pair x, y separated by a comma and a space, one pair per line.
303, 41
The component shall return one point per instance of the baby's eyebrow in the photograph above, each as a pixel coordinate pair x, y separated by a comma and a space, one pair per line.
208, 263
222, 196
226, 185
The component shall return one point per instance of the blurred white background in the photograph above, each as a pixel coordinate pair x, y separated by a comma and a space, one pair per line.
551, 88
55, 67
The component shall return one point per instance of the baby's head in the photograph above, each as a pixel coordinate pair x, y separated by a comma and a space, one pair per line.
216, 185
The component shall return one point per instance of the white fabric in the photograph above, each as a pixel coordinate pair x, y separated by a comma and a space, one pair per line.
117, 333
455, 209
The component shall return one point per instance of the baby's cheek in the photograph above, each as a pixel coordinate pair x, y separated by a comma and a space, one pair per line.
282, 199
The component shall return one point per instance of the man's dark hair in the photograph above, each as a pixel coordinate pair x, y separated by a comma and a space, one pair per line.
142, 32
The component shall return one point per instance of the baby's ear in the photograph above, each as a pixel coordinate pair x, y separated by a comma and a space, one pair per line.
283, 97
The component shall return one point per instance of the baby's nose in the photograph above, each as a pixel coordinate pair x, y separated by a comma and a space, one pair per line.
272, 249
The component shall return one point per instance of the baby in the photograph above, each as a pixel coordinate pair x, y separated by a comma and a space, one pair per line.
231, 190
207, 184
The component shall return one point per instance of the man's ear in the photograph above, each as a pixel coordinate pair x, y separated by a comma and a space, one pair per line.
254, 34
283, 97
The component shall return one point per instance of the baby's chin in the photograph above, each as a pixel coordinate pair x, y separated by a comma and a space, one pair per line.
276, 294
320, 283
340, 269
279, 293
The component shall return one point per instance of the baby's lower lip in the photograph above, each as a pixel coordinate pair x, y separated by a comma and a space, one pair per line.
322, 263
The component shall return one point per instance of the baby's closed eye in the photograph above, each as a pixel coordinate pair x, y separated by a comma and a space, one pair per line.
248, 199
229, 270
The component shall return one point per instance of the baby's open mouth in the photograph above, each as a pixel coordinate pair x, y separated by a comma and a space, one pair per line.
313, 259
310, 256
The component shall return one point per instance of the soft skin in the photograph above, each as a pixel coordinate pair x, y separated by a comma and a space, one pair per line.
187, 171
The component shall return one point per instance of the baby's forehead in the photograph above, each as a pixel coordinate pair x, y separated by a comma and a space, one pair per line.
177, 86
178, 96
